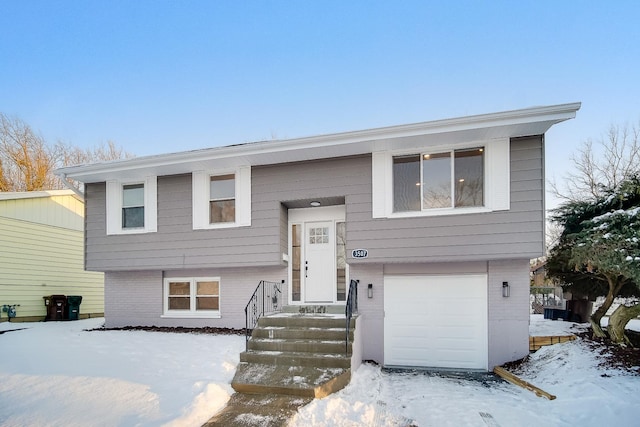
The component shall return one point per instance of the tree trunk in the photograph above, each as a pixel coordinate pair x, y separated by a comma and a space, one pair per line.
615, 284
619, 320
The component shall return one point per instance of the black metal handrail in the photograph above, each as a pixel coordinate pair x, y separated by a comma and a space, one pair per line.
351, 308
266, 299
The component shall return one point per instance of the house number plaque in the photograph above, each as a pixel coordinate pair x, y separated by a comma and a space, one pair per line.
359, 253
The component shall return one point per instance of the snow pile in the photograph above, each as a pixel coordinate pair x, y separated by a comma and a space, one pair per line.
56, 374
541, 327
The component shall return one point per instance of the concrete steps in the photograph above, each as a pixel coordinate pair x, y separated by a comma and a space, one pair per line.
282, 332
290, 358
296, 354
299, 345
303, 381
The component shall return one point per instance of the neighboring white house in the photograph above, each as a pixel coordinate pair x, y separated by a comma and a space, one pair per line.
42, 254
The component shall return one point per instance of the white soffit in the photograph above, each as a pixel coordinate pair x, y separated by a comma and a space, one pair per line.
525, 122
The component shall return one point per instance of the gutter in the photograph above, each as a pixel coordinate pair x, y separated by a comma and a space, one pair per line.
67, 183
546, 114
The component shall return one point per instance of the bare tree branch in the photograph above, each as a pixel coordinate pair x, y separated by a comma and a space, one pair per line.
601, 164
27, 162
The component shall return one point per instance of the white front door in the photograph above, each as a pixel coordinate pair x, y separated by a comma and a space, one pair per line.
317, 268
319, 262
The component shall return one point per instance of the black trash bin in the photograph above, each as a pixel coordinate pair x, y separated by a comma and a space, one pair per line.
73, 307
56, 305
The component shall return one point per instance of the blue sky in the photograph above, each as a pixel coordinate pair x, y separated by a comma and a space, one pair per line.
165, 76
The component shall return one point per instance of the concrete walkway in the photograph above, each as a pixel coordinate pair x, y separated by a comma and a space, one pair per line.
248, 410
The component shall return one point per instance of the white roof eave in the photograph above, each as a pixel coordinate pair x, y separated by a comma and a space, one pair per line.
530, 121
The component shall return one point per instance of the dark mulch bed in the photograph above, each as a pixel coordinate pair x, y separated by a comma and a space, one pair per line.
616, 356
178, 329
11, 330
611, 355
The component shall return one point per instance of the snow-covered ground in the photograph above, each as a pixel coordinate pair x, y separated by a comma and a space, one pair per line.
57, 374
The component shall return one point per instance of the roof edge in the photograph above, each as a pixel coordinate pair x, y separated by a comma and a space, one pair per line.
552, 113
14, 195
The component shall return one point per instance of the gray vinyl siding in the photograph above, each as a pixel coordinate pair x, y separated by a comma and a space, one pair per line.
508, 318
517, 233
371, 310
508, 325
135, 298
176, 245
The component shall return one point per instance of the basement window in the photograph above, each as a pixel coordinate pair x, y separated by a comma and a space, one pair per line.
192, 297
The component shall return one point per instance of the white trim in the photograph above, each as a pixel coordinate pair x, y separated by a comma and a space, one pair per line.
523, 122
151, 204
381, 184
497, 179
439, 212
192, 313
304, 215
498, 175
324, 213
113, 204
243, 196
200, 198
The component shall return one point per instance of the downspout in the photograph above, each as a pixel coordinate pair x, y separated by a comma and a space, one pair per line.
67, 183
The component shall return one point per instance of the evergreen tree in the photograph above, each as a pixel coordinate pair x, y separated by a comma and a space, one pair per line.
599, 249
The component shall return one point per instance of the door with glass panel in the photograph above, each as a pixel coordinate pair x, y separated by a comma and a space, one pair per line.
318, 262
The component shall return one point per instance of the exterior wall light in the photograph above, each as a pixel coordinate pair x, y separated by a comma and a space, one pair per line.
505, 289
370, 290
315, 204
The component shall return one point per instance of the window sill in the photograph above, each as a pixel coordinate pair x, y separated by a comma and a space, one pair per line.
439, 212
222, 225
189, 315
130, 231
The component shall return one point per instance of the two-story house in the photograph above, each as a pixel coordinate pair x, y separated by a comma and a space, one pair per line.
437, 220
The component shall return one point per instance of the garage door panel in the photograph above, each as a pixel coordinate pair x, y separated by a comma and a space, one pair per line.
436, 321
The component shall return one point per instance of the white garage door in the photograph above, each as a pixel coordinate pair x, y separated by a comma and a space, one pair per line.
436, 321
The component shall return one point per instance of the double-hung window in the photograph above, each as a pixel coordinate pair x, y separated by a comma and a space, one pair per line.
131, 206
222, 199
192, 297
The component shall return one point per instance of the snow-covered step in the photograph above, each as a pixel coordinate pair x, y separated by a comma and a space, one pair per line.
301, 345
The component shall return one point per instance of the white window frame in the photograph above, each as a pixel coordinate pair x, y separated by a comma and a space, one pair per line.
192, 312
201, 197
496, 180
114, 206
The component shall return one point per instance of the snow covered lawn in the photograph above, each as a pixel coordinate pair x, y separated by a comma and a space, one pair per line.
56, 374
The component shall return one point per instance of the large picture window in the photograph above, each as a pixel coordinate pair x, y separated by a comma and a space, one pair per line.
192, 297
442, 180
